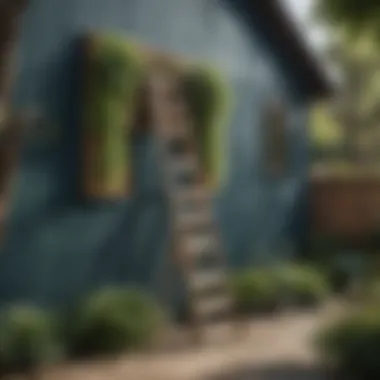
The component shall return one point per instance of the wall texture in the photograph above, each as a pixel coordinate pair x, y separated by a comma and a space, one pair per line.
59, 247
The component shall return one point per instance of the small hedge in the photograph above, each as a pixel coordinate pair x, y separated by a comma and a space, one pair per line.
352, 345
343, 266
366, 291
254, 291
28, 339
302, 285
263, 289
111, 321
108, 322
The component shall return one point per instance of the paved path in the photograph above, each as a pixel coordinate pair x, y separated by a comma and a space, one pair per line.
274, 349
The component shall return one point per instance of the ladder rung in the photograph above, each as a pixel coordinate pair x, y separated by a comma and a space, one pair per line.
184, 178
183, 164
212, 307
178, 146
208, 260
205, 280
176, 134
199, 243
198, 193
194, 218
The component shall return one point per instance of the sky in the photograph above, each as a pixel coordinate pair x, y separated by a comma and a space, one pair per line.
316, 35
301, 10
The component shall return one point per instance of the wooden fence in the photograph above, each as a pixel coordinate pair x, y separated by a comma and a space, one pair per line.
346, 206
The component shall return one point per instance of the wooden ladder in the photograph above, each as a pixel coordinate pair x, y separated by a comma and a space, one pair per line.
197, 248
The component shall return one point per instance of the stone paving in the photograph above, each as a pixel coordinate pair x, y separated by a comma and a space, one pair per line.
273, 349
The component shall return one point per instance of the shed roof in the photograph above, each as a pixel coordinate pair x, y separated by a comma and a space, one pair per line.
287, 44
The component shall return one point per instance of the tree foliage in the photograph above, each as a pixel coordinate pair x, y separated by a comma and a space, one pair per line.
356, 16
348, 127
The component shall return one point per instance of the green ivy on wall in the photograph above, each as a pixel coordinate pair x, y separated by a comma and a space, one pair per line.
113, 74
210, 103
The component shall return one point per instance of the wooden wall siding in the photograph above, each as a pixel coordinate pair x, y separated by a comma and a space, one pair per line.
349, 207
10, 138
92, 145
10, 12
275, 136
10, 146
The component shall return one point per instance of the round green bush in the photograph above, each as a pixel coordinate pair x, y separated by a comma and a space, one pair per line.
346, 269
254, 291
28, 339
366, 291
301, 285
111, 321
339, 279
352, 345
264, 289
373, 291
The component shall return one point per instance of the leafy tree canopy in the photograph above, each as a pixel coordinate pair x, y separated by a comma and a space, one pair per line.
356, 16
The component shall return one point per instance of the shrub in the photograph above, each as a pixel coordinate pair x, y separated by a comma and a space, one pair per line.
27, 339
367, 291
373, 294
346, 268
352, 344
301, 285
263, 289
254, 291
111, 321
339, 278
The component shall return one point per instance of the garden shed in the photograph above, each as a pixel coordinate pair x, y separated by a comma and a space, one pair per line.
58, 241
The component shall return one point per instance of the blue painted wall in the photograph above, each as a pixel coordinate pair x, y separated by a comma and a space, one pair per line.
57, 247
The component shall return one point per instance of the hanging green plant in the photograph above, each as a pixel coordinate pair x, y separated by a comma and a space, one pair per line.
209, 99
113, 74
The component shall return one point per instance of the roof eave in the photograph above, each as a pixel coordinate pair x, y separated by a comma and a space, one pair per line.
281, 31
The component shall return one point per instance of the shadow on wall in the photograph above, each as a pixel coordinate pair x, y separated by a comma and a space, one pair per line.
280, 371
68, 109
298, 228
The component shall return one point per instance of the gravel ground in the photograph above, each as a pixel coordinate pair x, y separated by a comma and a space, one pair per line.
277, 348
